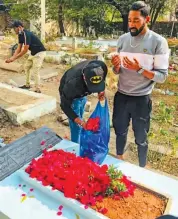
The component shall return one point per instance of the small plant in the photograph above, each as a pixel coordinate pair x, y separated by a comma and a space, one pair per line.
87, 48
120, 185
165, 113
164, 132
90, 45
174, 145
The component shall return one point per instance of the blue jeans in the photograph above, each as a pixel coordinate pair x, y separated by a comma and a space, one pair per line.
78, 106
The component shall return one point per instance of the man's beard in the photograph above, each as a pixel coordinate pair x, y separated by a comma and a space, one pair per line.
137, 31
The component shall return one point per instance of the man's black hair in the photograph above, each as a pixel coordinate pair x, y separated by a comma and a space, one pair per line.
16, 23
142, 7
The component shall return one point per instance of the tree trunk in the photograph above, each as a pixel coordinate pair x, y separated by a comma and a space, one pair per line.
86, 26
8, 19
125, 22
77, 27
155, 16
124, 10
60, 20
155, 11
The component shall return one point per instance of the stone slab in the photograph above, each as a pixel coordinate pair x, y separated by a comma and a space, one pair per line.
72, 209
3, 216
18, 153
33, 106
145, 178
45, 73
13, 66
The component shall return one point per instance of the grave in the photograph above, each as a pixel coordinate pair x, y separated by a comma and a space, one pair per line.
18, 182
46, 73
23, 105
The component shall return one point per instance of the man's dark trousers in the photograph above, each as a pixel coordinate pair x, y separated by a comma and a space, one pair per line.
137, 109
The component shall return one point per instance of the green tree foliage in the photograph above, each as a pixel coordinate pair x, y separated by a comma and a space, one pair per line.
24, 10
158, 7
85, 13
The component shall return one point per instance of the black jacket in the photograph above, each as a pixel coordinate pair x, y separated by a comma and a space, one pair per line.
72, 86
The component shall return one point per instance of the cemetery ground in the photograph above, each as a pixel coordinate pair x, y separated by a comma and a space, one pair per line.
163, 135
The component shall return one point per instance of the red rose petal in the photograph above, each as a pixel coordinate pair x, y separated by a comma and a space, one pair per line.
59, 213
23, 195
42, 142
57, 168
93, 124
60, 207
104, 210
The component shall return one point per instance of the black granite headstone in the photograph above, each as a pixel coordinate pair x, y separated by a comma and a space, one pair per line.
18, 153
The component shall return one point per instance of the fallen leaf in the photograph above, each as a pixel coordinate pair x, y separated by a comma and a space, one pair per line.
77, 216
23, 198
86, 207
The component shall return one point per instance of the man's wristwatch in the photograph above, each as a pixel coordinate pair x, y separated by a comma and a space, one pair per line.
140, 71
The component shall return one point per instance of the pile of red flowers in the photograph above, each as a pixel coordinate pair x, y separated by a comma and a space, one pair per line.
79, 178
93, 124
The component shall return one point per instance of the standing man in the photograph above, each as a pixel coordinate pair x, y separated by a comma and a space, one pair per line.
142, 61
28, 41
79, 81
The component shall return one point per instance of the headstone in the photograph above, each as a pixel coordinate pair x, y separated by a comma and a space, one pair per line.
74, 43
3, 216
17, 154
